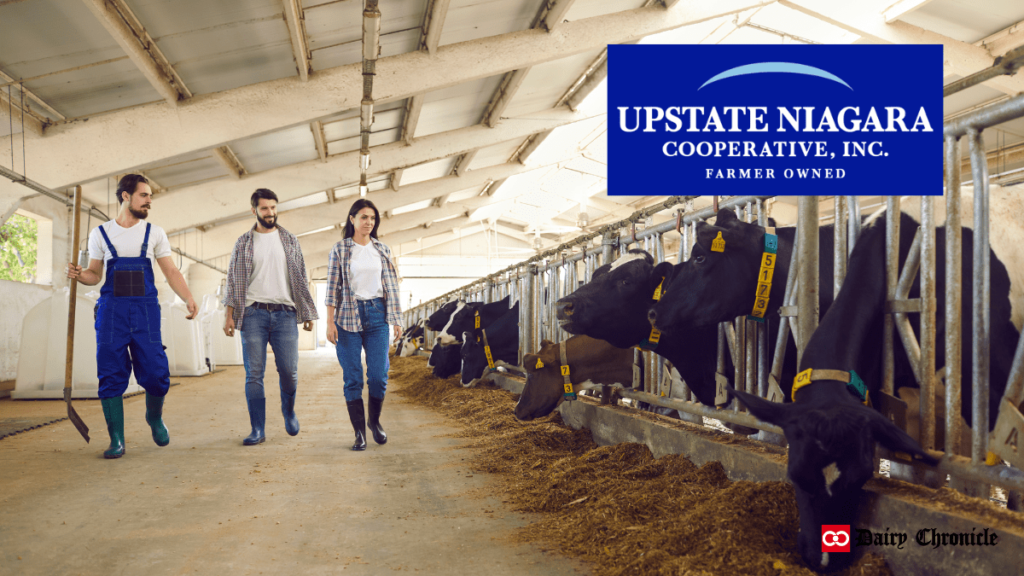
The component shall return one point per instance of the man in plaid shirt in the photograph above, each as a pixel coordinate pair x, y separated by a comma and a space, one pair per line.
267, 296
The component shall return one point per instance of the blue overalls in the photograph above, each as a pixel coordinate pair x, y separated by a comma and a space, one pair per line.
128, 320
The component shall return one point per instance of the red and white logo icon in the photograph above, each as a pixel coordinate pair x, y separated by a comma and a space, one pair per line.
835, 538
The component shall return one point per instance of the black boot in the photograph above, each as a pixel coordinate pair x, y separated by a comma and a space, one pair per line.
257, 418
358, 418
374, 421
154, 416
113, 413
291, 422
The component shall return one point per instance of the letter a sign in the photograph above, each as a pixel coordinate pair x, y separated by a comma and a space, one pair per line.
1005, 439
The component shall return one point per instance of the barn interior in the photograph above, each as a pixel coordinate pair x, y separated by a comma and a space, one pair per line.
478, 128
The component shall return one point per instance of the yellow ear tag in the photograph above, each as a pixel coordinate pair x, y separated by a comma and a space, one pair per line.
718, 244
539, 364
657, 291
476, 322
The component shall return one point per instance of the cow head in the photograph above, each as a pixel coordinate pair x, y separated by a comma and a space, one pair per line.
445, 335
503, 338
710, 286
438, 319
593, 363
463, 320
613, 305
831, 455
444, 360
411, 341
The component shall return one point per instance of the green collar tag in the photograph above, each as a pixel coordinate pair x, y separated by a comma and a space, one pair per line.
857, 386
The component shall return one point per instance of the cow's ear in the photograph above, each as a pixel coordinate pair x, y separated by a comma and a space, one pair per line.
764, 410
663, 270
506, 300
726, 218
889, 435
530, 362
601, 271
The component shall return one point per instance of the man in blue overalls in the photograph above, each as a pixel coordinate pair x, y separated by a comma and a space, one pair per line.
128, 311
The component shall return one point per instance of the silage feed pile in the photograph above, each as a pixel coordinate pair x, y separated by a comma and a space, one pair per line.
616, 506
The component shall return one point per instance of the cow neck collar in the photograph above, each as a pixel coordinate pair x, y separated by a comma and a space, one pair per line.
569, 395
853, 382
487, 347
651, 342
764, 276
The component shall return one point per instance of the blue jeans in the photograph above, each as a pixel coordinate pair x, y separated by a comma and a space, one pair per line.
374, 339
280, 329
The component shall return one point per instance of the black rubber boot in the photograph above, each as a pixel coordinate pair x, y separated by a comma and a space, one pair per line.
113, 413
358, 418
374, 421
258, 419
154, 416
291, 422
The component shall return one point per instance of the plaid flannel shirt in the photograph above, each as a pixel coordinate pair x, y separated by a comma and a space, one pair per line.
339, 286
240, 270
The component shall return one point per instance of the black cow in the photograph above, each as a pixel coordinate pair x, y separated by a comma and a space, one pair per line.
465, 319
503, 339
828, 425
613, 307
445, 360
717, 286
439, 320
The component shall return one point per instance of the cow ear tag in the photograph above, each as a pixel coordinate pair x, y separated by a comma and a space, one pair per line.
476, 321
539, 364
718, 244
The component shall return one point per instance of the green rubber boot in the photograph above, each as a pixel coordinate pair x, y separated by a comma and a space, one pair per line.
154, 416
113, 412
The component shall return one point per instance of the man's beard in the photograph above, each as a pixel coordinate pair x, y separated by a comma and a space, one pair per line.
269, 225
140, 214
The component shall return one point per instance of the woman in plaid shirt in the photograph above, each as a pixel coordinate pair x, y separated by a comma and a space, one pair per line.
363, 300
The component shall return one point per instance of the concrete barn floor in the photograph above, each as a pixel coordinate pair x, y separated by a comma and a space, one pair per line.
205, 504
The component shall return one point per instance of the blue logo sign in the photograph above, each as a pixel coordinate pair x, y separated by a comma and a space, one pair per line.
786, 120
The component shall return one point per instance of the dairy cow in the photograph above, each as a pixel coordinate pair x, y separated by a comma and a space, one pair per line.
592, 363
437, 322
831, 432
411, 340
464, 320
613, 307
501, 336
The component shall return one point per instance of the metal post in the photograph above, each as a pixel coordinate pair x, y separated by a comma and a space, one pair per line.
954, 299
839, 252
980, 295
807, 274
751, 334
526, 331
853, 206
892, 270
607, 242
927, 323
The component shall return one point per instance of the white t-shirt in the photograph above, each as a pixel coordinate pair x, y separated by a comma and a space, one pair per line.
128, 242
366, 270
268, 282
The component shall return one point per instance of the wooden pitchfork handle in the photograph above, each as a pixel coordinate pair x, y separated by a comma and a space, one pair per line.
69, 363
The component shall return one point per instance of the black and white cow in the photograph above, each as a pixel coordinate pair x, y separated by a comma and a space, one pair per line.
437, 322
827, 425
464, 320
717, 286
613, 307
503, 340
411, 340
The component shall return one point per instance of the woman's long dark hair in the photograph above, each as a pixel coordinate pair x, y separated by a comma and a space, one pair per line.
358, 205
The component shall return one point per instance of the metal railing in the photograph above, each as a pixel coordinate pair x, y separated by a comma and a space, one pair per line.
541, 280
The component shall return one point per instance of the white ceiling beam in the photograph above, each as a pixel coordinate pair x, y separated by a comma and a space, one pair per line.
433, 25
408, 248
220, 238
443, 200
593, 80
413, 108
902, 8
555, 14
84, 151
503, 95
298, 180
530, 145
462, 166
33, 97
396, 178
295, 20
320, 139
1003, 41
226, 156
129, 33
964, 59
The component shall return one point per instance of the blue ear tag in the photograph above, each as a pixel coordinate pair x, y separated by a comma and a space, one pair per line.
857, 385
